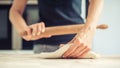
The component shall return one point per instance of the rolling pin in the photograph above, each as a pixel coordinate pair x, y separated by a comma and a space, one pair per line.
66, 29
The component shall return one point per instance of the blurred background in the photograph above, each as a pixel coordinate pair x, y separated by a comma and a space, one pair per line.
106, 42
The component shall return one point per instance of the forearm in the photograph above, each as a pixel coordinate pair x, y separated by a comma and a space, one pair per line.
17, 20
15, 15
94, 11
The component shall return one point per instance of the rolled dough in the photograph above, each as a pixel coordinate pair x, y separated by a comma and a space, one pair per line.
58, 53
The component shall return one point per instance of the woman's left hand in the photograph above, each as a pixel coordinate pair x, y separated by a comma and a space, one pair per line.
81, 43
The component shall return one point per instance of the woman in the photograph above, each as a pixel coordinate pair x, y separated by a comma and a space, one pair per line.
54, 13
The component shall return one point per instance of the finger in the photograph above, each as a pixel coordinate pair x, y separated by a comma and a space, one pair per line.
35, 29
78, 51
39, 29
42, 27
85, 51
47, 36
71, 49
36, 37
28, 30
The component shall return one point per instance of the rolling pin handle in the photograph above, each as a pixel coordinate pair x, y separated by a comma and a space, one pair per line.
102, 26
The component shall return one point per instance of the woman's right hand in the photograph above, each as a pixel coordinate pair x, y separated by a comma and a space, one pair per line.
33, 32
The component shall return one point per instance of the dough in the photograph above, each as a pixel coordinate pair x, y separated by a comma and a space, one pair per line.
58, 53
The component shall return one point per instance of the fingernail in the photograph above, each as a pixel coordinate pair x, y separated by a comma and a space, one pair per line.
43, 30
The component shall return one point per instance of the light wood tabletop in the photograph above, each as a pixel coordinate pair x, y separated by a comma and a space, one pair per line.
23, 59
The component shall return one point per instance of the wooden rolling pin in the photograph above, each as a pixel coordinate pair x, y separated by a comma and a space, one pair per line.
66, 29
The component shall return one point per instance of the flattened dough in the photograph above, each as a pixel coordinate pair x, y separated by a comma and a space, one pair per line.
58, 53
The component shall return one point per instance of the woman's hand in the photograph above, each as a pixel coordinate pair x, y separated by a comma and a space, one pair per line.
33, 32
81, 43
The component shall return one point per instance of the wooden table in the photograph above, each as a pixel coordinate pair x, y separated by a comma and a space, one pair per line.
22, 59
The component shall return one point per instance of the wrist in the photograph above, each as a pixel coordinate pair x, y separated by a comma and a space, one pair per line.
90, 24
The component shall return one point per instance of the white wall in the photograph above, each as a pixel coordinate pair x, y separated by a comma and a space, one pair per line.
108, 41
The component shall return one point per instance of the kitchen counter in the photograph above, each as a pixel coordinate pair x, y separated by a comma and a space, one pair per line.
23, 59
